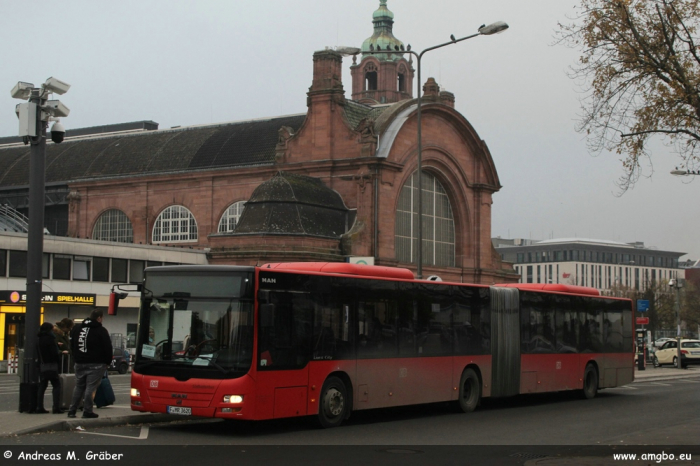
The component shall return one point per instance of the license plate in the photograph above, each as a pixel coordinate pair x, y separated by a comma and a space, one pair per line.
179, 410
695, 353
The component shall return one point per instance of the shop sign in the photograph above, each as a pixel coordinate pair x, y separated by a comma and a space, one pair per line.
20, 297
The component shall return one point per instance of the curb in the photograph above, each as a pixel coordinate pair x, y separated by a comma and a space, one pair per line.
68, 425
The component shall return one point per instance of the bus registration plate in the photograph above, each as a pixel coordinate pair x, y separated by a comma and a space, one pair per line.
179, 410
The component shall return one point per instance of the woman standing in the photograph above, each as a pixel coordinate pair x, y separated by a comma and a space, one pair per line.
49, 361
61, 332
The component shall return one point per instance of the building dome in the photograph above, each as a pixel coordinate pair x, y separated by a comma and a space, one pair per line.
383, 37
294, 205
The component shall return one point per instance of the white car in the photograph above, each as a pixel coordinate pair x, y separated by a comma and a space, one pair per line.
660, 342
668, 353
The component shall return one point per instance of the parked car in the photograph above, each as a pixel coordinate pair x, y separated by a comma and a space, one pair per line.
660, 342
668, 353
120, 361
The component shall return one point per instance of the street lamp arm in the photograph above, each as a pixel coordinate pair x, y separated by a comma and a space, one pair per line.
442, 45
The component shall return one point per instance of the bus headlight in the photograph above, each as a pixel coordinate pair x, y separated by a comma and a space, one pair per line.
135, 392
233, 398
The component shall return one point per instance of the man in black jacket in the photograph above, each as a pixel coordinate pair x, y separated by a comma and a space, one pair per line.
92, 350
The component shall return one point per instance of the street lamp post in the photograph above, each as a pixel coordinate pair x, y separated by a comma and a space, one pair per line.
33, 120
674, 283
491, 29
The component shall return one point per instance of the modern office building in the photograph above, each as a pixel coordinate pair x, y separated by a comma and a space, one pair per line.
589, 262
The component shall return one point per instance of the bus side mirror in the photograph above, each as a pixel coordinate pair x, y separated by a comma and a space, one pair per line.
267, 315
114, 298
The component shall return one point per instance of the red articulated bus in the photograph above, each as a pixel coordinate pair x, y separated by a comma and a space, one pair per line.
326, 339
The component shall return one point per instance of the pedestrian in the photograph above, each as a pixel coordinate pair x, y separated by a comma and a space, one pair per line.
61, 333
67, 325
92, 351
49, 361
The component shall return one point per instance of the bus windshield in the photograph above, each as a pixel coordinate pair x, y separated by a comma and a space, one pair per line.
199, 323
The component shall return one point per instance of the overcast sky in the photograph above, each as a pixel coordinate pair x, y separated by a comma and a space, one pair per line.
181, 62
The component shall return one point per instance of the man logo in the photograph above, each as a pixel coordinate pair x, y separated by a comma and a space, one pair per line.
269, 280
154, 384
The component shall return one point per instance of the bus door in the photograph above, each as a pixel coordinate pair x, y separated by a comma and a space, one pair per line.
378, 365
284, 350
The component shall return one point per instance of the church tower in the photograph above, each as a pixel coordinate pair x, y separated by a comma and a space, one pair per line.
382, 78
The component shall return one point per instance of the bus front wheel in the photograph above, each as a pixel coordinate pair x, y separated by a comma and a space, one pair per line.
590, 382
469, 391
333, 403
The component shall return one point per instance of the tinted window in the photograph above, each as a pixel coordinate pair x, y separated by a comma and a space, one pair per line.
18, 263
100, 269
119, 269
591, 321
566, 319
471, 321
136, 271
61, 267
288, 342
3, 263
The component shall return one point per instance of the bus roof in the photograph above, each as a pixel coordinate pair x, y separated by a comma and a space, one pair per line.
344, 268
556, 287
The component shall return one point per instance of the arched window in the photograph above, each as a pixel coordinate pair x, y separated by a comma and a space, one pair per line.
113, 225
438, 223
230, 218
402, 79
370, 77
176, 224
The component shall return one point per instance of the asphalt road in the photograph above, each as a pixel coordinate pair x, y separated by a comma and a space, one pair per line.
660, 417
647, 413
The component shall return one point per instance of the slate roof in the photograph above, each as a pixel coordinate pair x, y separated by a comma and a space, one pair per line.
202, 147
294, 204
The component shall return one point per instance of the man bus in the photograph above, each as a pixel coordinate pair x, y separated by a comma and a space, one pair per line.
326, 339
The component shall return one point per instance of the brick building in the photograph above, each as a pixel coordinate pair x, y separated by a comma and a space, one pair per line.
335, 182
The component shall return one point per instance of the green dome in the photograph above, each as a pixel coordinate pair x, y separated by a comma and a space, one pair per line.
382, 11
383, 37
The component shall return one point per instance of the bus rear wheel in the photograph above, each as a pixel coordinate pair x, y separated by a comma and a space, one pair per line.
469, 391
333, 403
590, 382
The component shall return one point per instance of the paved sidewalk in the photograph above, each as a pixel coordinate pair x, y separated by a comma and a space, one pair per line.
16, 423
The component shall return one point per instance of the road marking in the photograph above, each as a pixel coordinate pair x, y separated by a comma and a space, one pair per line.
628, 387
143, 435
661, 384
688, 381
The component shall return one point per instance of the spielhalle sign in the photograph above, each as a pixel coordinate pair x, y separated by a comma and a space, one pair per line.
75, 299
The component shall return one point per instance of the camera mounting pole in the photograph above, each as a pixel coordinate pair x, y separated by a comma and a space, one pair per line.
34, 117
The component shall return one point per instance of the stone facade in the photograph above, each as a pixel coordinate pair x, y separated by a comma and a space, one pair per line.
365, 153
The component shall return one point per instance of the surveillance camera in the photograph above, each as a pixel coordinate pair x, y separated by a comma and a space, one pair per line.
672, 282
58, 132
22, 90
56, 108
56, 86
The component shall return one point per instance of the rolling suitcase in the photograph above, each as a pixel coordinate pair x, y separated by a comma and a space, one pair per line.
67, 386
105, 394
